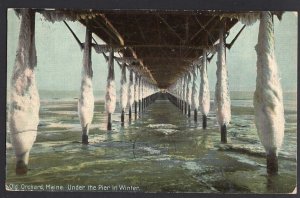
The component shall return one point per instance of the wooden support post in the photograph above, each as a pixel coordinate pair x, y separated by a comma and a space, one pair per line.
272, 163
110, 97
195, 115
123, 92
223, 134
135, 109
129, 112
109, 121
204, 94
204, 121
122, 117
131, 93
222, 91
268, 99
25, 102
86, 98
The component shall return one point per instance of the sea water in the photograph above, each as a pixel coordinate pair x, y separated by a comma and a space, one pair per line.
161, 151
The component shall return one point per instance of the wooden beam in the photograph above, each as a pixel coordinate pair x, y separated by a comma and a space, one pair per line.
200, 47
112, 28
202, 27
170, 28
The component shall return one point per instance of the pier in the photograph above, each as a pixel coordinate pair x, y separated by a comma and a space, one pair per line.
164, 53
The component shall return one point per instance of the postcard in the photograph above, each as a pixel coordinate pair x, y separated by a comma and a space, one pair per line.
185, 101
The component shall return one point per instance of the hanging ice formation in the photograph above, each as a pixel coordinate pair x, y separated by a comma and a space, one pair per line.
24, 99
188, 94
110, 97
268, 102
195, 102
222, 97
86, 98
136, 94
123, 91
204, 94
184, 95
131, 94
140, 94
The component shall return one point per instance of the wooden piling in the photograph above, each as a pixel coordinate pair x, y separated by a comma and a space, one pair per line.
272, 163
109, 122
129, 112
223, 134
122, 117
204, 121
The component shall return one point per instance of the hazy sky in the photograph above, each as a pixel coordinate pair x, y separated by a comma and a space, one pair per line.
60, 59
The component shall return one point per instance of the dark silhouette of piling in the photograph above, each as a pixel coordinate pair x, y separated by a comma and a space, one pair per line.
109, 122
195, 115
272, 163
204, 121
223, 133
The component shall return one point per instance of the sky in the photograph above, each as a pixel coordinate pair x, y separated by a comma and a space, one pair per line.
59, 58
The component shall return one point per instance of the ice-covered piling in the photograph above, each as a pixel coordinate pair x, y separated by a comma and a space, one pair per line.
204, 94
136, 95
123, 92
195, 101
86, 98
140, 94
268, 101
110, 97
131, 94
181, 88
188, 94
24, 100
222, 97
184, 108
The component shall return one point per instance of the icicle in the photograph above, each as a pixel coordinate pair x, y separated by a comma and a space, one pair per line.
184, 95
123, 91
136, 94
268, 102
110, 97
195, 102
181, 93
222, 97
204, 95
86, 99
24, 101
188, 94
131, 93
140, 94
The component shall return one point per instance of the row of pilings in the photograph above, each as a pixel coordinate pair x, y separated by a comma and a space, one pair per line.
268, 102
186, 110
25, 102
139, 107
